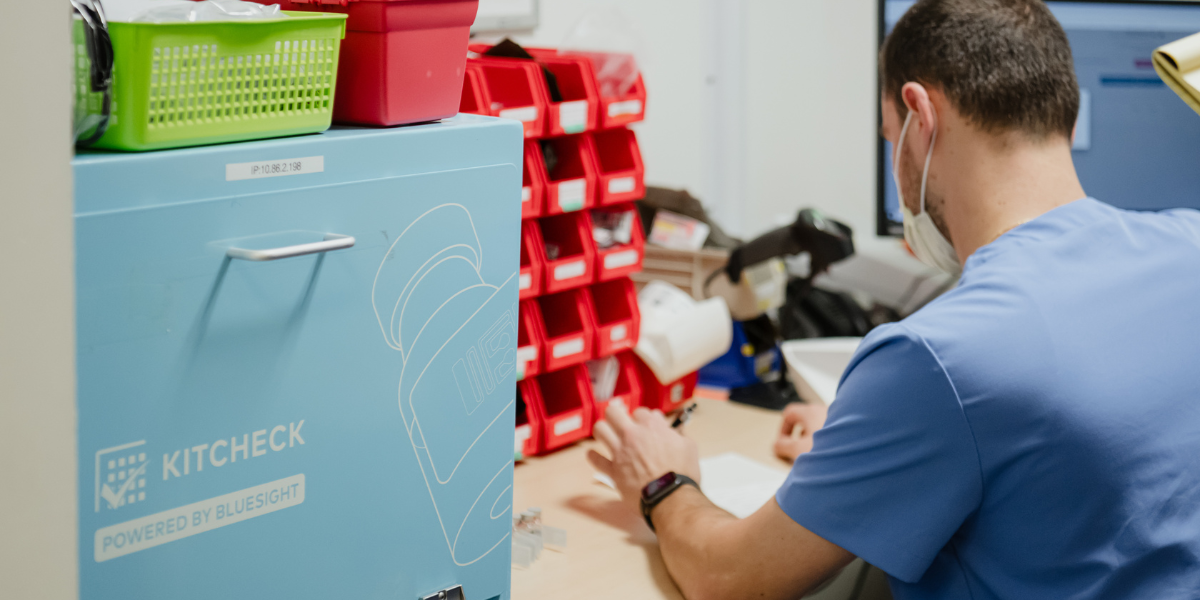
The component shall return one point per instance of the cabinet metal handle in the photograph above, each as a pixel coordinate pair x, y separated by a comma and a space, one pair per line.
332, 241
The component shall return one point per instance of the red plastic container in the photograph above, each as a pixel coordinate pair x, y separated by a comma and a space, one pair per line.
566, 407
576, 262
628, 391
531, 280
475, 100
612, 111
580, 104
620, 173
665, 396
623, 110
530, 338
533, 183
568, 329
617, 317
514, 90
578, 111
616, 262
571, 180
528, 439
402, 61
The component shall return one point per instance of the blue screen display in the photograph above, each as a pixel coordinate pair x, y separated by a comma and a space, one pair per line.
1137, 145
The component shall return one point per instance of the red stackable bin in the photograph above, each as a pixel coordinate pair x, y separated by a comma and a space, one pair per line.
579, 108
628, 391
571, 180
403, 61
514, 88
619, 111
533, 181
620, 172
531, 340
528, 439
575, 266
568, 329
617, 317
531, 279
566, 403
621, 260
665, 396
475, 100
612, 111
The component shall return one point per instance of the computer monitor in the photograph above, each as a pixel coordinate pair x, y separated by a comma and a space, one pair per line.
1137, 145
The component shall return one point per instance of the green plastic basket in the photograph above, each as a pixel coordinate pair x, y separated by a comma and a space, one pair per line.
188, 84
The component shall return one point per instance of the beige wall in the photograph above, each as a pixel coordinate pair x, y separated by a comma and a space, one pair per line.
673, 137
811, 110
37, 318
759, 107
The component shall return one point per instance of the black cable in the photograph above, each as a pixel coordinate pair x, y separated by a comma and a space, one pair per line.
100, 58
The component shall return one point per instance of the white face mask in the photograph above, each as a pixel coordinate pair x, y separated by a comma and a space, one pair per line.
922, 235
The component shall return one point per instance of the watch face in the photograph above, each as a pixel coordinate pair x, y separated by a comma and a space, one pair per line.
658, 485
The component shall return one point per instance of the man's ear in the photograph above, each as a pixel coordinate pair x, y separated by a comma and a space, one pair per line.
916, 98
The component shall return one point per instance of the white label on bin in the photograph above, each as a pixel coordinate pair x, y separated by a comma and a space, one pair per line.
569, 348
525, 114
525, 281
570, 270
572, 116
568, 425
571, 194
274, 168
628, 107
621, 185
523, 433
527, 354
191, 519
677, 392
624, 258
618, 333
526, 194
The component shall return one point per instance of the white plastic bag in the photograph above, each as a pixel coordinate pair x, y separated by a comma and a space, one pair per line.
170, 11
613, 44
680, 335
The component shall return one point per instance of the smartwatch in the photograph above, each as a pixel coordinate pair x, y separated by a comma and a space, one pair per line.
658, 490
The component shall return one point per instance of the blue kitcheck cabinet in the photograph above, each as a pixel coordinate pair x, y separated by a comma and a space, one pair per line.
297, 365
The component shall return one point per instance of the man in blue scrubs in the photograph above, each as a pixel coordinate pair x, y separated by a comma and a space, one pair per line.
1032, 434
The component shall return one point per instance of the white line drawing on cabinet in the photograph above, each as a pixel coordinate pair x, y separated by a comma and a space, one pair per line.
430, 299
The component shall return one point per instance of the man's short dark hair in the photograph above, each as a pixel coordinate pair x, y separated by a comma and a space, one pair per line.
1004, 64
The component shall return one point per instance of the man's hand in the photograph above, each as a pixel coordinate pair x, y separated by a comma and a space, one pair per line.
643, 448
800, 422
709, 552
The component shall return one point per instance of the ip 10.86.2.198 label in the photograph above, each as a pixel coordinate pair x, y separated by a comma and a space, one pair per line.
274, 168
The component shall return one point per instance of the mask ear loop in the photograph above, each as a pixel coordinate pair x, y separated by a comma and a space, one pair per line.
925, 174
899, 149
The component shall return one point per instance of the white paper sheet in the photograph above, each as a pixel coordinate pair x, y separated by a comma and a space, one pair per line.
733, 482
738, 484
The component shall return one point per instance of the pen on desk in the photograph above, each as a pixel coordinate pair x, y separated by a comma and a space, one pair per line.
684, 415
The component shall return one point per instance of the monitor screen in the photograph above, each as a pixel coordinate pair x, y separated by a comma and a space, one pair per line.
1137, 145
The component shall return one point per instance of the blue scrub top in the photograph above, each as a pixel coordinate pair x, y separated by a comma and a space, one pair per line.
1034, 433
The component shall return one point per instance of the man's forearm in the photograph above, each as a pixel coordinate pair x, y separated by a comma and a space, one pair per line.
713, 555
699, 544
